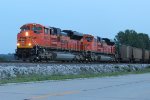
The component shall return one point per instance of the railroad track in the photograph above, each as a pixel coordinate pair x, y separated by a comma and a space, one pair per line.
59, 62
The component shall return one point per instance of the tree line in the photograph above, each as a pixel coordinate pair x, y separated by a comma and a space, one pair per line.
132, 38
6, 57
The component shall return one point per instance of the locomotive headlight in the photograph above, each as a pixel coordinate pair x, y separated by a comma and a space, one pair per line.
27, 34
29, 44
18, 44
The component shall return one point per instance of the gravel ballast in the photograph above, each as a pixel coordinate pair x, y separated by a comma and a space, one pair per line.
11, 70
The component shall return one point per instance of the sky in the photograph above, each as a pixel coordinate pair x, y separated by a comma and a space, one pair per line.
104, 18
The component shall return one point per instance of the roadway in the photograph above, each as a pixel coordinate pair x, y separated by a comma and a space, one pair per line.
127, 87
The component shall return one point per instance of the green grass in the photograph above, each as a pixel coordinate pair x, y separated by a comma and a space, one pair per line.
33, 78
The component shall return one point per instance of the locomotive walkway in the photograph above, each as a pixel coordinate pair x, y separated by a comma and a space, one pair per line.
128, 87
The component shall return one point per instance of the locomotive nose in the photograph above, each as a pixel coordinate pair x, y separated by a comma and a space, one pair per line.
24, 40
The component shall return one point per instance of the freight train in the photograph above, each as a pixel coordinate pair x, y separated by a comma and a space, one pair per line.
37, 42
132, 54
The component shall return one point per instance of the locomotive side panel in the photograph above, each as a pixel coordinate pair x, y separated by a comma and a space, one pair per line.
53, 41
64, 40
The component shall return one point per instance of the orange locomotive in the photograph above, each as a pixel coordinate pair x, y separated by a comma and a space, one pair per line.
36, 42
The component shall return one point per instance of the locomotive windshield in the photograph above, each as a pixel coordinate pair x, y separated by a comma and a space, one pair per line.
25, 28
89, 39
37, 29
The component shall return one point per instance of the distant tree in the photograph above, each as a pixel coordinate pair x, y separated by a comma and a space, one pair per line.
132, 38
2, 59
7, 57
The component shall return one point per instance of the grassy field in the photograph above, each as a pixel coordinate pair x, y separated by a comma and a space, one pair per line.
33, 78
